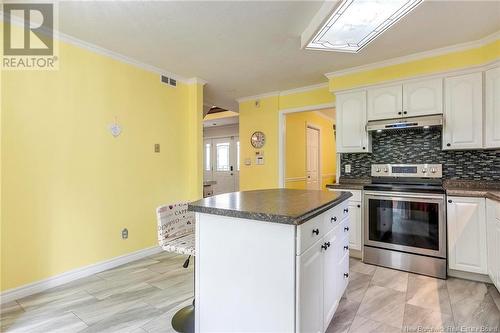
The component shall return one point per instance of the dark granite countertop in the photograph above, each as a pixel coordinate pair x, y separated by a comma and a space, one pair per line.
473, 188
275, 205
350, 183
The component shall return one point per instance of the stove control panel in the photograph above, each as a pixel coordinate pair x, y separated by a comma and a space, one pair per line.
407, 170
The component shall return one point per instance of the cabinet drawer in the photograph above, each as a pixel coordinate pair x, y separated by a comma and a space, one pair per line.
343, 270
334, 216
345, 229
310, 232
356, 194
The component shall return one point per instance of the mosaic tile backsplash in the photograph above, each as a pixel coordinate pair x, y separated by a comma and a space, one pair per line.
423, 146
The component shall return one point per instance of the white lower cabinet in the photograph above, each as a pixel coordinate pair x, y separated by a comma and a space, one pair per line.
322, 276
355, 219
330, 287
310, 289
493, 240
467, 234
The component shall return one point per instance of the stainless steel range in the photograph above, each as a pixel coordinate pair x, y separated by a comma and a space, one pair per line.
405, 218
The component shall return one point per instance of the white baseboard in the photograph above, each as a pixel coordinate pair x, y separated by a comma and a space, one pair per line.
75, 274
469, 276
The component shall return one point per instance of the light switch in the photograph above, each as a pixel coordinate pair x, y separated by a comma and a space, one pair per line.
347, 168
157, 147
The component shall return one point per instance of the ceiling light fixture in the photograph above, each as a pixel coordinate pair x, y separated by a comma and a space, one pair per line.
355, 23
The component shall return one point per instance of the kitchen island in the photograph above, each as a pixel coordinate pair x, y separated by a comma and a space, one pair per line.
270, 260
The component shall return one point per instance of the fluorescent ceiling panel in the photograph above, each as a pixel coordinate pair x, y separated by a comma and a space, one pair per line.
355, 23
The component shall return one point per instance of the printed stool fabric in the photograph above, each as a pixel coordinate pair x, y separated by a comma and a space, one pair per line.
176, 228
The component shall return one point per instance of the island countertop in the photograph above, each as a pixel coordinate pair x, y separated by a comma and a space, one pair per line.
285, 206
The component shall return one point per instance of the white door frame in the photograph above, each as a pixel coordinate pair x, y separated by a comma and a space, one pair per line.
281, 134
320, 165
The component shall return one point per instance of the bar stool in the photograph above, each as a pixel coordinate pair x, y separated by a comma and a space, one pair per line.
176, 234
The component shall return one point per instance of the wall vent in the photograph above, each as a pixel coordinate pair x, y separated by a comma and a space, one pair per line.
169, 81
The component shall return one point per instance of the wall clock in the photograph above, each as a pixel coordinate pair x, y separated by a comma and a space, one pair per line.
258, 139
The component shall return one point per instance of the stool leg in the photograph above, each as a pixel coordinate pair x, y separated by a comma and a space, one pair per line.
183, 320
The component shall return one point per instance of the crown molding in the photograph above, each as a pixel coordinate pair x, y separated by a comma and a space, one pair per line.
304, 89
196, 80
111, 54
416, 56
260, 96
439, 74
284, 92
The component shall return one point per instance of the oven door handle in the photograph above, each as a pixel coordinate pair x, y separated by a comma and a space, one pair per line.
405, 195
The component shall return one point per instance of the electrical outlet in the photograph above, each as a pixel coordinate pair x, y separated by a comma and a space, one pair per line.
347, 168
125, 233
157, 147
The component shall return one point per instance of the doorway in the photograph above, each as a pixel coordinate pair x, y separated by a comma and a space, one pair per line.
307, 152
222, 165
221, 152
313, 161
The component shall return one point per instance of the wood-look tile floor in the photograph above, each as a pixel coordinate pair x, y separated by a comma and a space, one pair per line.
142, 296
379, 299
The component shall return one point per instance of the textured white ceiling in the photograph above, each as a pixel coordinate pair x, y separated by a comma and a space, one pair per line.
245, 48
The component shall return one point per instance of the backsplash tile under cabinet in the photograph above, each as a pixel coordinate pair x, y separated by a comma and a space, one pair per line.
423, 146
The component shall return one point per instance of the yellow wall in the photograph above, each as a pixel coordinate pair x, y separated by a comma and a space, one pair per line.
450, 61
264, 117
295, 147
69, 186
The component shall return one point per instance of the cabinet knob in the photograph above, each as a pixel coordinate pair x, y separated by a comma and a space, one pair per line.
346, 275
346, 228
359, 206
364, 148
324, 246
346, 210
316, 231
327, 244
346, 247
448, 145
399, 112
333, 219
450, 201
404, 112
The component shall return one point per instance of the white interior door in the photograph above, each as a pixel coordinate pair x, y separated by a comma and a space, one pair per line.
225, 159
312, 156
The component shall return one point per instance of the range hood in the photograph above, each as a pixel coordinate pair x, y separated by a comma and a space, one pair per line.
403, 123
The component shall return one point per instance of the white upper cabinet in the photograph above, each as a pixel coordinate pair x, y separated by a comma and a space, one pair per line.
422, 98
492, 114
352, 136
385, 102
463, 112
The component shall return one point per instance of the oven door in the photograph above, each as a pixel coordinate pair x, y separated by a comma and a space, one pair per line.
409, 222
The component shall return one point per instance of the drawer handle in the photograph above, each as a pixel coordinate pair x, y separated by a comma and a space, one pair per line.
346, 275
333, 219
450, 201
316, 231
346, 210
346, 247
324, 246
346, 228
